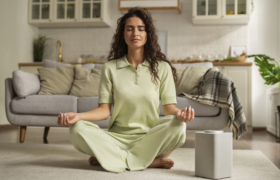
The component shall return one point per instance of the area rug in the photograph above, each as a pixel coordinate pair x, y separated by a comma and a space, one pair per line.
63, 161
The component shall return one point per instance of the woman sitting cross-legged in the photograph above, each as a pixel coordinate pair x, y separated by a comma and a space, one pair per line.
136, 78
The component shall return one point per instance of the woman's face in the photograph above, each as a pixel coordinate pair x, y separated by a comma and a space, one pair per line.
134, 33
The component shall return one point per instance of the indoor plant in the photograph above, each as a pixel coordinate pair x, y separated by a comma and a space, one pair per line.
270, 71
38, 48
269, 68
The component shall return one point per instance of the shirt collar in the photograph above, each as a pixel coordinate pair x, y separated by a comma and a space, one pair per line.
123, 62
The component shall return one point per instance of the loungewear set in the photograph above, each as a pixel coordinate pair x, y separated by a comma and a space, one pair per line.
136, 135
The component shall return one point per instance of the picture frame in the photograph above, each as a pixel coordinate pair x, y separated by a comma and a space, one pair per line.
236, 51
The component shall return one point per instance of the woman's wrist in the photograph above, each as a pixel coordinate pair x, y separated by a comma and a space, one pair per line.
79, 116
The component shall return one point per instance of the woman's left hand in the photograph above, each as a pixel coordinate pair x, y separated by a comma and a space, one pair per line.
186, 114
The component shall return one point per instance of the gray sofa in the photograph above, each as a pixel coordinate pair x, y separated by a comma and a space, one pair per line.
42, 111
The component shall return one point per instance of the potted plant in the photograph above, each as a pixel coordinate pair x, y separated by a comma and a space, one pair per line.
270, 71
38, 48
269, 68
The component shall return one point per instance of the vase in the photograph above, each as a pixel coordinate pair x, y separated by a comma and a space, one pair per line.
37, 59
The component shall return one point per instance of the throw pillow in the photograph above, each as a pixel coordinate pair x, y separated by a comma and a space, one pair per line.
189, 78
25, 83
86, 83
56, 80
52, 64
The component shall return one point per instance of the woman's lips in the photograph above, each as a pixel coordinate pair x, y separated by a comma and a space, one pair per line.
135, 40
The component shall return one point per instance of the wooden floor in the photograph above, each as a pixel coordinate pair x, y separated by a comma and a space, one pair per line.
257, 140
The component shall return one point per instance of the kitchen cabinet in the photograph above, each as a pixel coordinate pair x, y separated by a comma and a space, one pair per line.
151, 4
69, 13
242, 78
40, 11
65, 10
221, 11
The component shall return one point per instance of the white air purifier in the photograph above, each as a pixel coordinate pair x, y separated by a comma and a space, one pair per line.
213, 154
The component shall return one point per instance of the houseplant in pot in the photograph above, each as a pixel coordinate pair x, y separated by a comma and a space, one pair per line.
38, 48
270, 71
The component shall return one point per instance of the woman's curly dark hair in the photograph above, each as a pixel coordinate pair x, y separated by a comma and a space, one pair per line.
152, 50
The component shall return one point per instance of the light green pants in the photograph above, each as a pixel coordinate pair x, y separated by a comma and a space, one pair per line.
119, 152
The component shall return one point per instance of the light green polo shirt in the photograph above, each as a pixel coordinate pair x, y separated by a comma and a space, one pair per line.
134, 94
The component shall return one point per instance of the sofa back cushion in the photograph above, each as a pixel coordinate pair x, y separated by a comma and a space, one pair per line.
205, 64
88, 66
56, 80
189, 78
25, 83
86, 83
52, 64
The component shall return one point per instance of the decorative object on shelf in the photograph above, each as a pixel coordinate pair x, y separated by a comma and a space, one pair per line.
229, 59
239, 53
242, 57
38, 48
79, 60
270, 71
58, 44
236, 51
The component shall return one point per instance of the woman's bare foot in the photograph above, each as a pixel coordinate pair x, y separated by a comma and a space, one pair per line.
162, 162
93, 161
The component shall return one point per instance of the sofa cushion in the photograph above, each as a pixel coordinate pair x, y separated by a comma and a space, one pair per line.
88, 103
56, 80
86, 83
44, 104
52, 64
25, 83
201, 110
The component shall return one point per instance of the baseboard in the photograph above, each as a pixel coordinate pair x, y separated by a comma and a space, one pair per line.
259, 128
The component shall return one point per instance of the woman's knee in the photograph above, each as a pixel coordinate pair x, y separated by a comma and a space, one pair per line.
82, 126
177, 124
182, 139
74, 129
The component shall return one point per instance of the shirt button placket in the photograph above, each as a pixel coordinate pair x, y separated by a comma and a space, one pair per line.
137, 75
136, 78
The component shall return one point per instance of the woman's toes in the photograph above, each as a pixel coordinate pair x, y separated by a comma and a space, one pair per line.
166, 163
171, 162
92, 159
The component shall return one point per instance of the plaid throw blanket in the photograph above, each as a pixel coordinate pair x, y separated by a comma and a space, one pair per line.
216, 89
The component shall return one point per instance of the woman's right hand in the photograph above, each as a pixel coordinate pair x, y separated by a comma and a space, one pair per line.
67, 119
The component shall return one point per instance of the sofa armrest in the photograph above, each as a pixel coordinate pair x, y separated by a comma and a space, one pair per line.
9, 95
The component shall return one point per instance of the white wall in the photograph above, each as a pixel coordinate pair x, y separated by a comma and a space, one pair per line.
263, 39
15, 43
